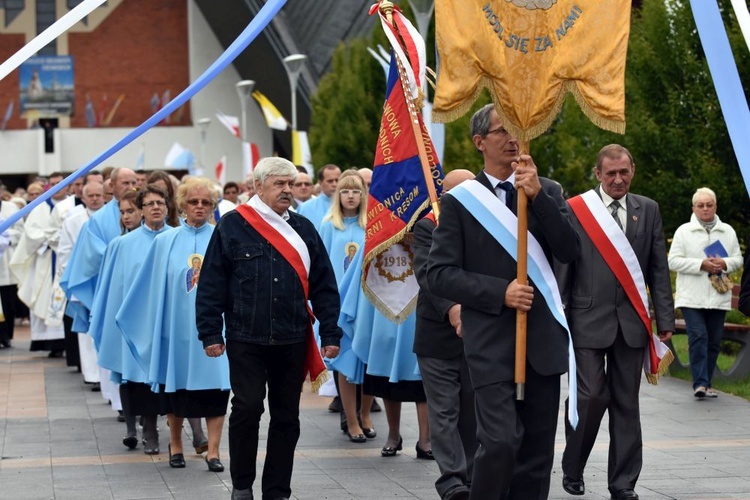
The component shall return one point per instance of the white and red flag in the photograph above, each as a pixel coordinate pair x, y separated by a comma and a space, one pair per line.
232, 123
221, 170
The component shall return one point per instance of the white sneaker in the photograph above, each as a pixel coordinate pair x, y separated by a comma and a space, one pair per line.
699, 392
712, 393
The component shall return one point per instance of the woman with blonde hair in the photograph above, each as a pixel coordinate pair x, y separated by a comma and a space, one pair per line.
703, 252
157, 319
343, 232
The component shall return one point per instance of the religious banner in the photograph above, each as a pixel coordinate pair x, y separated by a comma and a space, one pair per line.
399, 192
529, 54
47, 86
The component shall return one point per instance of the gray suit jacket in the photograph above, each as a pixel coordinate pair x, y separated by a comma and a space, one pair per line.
596, 304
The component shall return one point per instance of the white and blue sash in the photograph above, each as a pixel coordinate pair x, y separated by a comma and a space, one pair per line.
502, 224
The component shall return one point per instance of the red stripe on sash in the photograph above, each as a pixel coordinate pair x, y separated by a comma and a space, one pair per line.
313, 360
616, 264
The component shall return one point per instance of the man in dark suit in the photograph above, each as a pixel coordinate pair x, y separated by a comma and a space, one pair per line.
609, 337
445, 374
468, 266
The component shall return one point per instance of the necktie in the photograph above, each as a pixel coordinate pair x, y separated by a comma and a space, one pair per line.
613, 210
508, 188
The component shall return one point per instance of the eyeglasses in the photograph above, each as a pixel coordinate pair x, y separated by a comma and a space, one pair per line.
155, 203
701, 206
195, 203
499, 130
298, 184
352, 192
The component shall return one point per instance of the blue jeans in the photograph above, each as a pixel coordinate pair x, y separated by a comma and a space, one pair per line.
705, 328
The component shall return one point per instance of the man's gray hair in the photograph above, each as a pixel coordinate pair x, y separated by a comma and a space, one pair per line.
274, 165
480, 122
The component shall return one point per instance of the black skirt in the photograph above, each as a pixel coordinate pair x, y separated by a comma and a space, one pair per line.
143, 401
403, 391
198, 404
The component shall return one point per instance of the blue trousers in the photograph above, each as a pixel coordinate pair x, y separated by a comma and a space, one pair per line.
705, 328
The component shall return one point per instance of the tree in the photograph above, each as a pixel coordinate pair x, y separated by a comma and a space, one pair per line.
675, 129
346, 109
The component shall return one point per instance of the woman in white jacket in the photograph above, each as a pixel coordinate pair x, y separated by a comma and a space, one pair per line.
702, 251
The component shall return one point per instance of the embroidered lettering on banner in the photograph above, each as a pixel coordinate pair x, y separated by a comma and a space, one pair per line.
537, 42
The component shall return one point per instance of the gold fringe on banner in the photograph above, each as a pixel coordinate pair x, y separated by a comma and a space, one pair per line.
319, 381
534, 131
653, 378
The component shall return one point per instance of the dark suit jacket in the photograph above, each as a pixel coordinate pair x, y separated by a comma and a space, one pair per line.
744, 302
434, 337
595, 302
466, 265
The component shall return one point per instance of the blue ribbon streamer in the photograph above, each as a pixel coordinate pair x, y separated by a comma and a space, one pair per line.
726, 79
258, 24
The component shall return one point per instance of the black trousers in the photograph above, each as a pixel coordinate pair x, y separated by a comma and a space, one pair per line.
251, 368
516, 439
8, 296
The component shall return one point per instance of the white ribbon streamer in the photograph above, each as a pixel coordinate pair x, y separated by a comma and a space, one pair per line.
61, 26
743, 18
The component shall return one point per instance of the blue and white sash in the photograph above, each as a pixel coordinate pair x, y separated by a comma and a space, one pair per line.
502, 224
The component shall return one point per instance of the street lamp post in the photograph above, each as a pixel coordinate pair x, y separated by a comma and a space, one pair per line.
203, 124
293, 65
244, 89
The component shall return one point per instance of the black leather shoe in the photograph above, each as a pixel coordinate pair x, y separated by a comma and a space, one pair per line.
625, 495
214, 465
177, 460
458, 493
335, 406
130, 441
201, 447
356, 438
390, 451
242, 494
573, 486
369, 433
151, 448
424, 454
375, 408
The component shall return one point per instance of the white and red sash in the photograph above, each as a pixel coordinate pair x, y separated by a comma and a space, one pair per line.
617, 252
290, 245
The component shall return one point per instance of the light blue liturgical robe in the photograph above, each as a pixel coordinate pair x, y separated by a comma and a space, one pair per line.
79, 278
315, 209
122, 261
339, 242
370, 338
157, 317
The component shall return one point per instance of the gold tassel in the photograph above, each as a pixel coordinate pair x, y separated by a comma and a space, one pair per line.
653, 378
319, 381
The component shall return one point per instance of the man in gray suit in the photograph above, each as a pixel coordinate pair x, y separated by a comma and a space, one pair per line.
445, 374
609, 336
467, 265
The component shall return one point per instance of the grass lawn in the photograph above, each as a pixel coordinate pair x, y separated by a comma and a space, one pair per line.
739, 387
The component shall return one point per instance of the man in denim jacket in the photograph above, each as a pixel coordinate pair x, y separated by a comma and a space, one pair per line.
262, 264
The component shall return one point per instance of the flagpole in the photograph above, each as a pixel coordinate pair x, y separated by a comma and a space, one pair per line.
386, 7
522, 279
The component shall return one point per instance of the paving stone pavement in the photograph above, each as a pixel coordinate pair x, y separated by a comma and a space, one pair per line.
60, 440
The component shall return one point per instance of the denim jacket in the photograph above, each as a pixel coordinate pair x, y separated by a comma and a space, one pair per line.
257, 291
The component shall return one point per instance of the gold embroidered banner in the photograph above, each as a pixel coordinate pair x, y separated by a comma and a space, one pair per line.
529, 54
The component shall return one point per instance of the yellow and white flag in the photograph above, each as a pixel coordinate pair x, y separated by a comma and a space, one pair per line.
274, 118
529, 54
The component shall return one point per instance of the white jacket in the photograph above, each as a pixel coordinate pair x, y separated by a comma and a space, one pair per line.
694, 288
